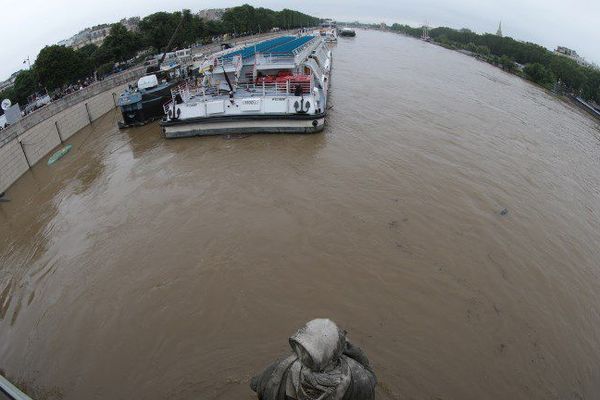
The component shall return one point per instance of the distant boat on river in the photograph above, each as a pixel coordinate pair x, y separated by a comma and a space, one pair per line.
347, 32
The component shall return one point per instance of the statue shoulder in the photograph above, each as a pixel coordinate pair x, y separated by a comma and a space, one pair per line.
268, 384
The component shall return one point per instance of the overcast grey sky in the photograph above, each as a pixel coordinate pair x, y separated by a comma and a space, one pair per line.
30, 25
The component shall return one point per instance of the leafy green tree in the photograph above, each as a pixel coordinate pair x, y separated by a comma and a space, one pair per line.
568, 71
591, 87
507, 63
482, 50
103, 56
88, 56
247, 19
120, 44
472, 47
88, 50
57, 66
157, 29
190, 30
240, 19
26, 84
407, 30
537, 73
105, 69
291, 19
213, 28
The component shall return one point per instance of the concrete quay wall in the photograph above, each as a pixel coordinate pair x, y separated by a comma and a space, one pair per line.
30, 140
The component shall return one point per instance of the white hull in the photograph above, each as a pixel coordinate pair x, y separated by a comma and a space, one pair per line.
208, 127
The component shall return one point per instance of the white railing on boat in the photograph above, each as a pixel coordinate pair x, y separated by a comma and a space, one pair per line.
275, 88
296, 57
190, 93
274, 58
234, 62
302, 52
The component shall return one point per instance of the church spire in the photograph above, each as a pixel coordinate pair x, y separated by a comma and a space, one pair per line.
499, 32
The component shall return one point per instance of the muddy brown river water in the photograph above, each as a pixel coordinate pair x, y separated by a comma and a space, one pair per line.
140, 268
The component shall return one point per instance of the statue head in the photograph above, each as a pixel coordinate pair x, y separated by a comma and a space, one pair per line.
319, 344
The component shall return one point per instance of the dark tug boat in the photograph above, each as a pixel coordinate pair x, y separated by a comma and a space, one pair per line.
144, 103
347, 32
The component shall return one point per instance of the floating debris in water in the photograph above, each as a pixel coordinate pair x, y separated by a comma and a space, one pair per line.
504, 211
59, 154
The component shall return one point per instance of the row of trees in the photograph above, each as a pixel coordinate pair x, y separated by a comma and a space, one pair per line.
247, 19
58, 66
541, 65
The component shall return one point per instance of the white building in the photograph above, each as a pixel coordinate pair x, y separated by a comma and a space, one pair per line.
10, 82
98, 33
6, 84
95, 35
131, 24
212, 14
572, 54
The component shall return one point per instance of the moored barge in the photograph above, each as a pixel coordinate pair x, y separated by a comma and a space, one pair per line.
278, 85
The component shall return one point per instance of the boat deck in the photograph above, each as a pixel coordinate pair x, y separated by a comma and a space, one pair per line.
284, 45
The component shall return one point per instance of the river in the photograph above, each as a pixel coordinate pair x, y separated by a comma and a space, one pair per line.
448, 218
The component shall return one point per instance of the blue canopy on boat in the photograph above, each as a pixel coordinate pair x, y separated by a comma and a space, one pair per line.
282, 44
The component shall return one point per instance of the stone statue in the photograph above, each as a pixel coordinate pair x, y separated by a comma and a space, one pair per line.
324, 366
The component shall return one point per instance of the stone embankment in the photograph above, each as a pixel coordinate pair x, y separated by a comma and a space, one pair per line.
26, 142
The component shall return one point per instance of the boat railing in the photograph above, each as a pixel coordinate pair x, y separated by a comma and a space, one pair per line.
302, 52
295, 57
167, 107
189, 93
306, 45
226, 62
265, 89
274, 58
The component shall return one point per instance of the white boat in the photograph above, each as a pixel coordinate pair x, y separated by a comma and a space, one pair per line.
329, 31
329, 35
278, 85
